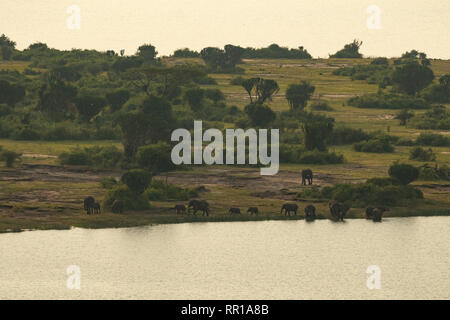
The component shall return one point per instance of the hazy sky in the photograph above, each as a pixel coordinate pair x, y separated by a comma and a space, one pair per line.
320, 26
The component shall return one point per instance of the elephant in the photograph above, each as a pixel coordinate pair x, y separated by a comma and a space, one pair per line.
234, 211
117, 206
180, 208
89, 204
252, 210
96, 207
307, 174
369, 212
288, 208
377, 214
338, 210
199, 205
310, 213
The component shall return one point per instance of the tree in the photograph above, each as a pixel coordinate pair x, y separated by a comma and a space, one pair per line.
147, 52
404, 116
137, 180
194, 98
56, 98
219, 60
298, 94
350, 50
405, 173
7, 47
215, 95
412, 77
66, 73
88, 106
11, 93
262, 89
317, 129
117, 99
9, 157
156, 158
260, 115
151, 123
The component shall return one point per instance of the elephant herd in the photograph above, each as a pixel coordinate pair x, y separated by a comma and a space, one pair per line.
338, 210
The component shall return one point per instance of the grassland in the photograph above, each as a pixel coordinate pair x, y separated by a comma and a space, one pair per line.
40, 194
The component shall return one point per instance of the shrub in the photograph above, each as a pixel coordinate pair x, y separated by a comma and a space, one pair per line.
404, 173
137, 180
132, 201
369, 193
108, 183
388, 101
159, 191
434, 173
346, 135
320, 157
105, 157
436, 118
421, 154
9, 157
433, 139
155, 158
377, 145
321, 106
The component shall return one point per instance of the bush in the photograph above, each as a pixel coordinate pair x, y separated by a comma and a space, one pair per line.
421, 154
320, 106
433, 139
132, 201
434, 173
388, 101
155, 158
346, 135
404, 173
159, 191
9, 157
137, 180
436, 118
108, 183
369, 193
377, 145
104, 157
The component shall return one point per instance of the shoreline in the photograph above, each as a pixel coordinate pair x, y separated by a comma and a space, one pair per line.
141, 219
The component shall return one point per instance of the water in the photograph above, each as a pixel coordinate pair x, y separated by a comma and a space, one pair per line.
240, 260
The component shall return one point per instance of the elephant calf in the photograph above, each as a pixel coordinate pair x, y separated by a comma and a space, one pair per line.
288, 208
180, 208
253, 210
234, 211
310, 213
117, 206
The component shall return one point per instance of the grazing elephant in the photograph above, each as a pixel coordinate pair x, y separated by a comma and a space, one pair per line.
192, 204
377, 214
89, 204
96, 207
199, 205
338, 210
118, 206
234, 211
252, 210
180, 208
307, 175
369, 212
310, 213
288, 208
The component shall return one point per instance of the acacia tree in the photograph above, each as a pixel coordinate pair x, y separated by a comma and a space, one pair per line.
298, 94
404, 116
147, 52
262, 89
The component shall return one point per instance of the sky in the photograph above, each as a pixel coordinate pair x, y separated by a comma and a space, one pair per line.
321, 26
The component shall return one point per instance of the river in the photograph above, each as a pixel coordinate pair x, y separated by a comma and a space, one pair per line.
232, 260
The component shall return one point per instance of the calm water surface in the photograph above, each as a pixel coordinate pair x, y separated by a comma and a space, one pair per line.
238, 260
